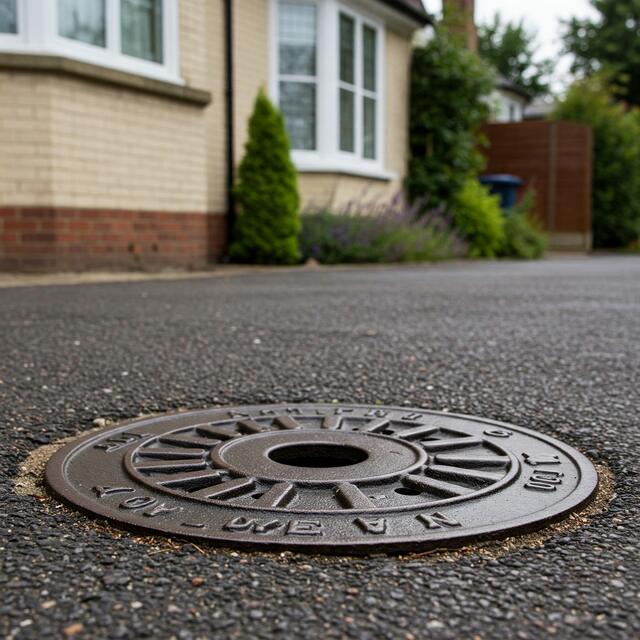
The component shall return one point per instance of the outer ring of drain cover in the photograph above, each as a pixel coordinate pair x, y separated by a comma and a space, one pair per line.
323, 477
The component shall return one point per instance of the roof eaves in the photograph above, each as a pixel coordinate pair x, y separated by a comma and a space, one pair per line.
411, 8
508, 85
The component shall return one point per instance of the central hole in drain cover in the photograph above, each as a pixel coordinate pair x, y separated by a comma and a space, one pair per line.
318, 456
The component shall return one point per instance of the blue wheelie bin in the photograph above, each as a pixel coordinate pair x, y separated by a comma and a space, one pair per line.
504, 185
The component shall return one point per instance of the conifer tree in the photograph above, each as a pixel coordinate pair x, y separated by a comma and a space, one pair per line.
268, 222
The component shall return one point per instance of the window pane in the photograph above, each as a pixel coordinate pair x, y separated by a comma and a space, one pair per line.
347, 49
8, 16
82, 20
369, 58
297, 39
369, 128
347, 121
298, 105
142, 29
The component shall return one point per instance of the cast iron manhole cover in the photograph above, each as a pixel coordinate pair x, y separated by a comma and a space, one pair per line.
324, 477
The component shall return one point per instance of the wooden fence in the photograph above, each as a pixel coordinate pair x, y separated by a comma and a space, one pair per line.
555, 159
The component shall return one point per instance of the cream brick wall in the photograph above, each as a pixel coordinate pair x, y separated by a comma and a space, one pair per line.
72, 142
79, 143
195, 38
125, 150
336, 190
26, 165
397, 79
251, 51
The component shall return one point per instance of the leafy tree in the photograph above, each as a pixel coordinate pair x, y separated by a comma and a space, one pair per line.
449, 85
609, 42
267, 227
511, 49
616, 160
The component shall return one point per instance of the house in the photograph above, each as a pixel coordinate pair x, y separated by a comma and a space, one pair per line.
509, 101
540, 108
121, 121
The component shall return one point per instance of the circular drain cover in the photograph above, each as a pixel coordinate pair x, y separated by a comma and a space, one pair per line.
324, 477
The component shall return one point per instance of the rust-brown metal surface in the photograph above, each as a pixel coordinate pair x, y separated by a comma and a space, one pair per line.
323, 477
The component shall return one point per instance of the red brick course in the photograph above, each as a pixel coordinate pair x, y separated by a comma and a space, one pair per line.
33, 239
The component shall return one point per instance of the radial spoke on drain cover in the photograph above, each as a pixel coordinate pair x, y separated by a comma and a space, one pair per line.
327, 478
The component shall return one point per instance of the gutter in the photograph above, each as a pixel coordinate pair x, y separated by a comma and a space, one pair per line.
419, 15
229, 109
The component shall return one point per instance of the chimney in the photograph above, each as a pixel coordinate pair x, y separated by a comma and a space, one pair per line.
458, 17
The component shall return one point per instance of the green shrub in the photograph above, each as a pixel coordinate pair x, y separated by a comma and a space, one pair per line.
523, 234
522, 239
368, 233
616, 160
449, 85
478, 217
268, 223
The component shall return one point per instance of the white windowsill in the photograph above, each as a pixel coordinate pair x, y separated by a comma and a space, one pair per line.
306, 164
38, 35
99, 58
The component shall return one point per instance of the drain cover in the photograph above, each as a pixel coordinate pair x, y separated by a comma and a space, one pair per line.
324, 477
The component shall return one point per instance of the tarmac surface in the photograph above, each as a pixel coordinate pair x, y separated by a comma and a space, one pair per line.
552, 346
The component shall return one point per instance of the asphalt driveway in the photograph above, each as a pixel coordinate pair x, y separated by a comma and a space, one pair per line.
552, 346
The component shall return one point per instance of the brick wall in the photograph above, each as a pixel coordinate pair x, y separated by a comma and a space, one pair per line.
195, 39
47, 238
251, 52
118, 149
396, 95
71, 142
459, 18
106, 159
26, 164
335, 190
96, 175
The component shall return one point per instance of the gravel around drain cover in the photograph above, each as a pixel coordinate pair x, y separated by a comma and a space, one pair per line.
323, 477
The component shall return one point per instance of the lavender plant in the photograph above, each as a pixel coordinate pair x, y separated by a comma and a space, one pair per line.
378, 231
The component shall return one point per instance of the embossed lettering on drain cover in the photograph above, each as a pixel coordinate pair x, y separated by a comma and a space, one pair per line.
324, 477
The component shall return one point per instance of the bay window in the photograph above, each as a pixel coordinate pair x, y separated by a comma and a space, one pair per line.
347, 83
369, 94
83, 20
137, 36
8, 16
297, 46
141, 24
327, 80
358, 78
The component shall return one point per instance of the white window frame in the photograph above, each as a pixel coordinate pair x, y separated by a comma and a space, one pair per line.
327, 157
357, 88
38, 33
303, 79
